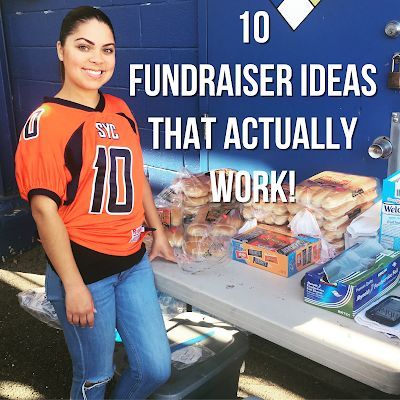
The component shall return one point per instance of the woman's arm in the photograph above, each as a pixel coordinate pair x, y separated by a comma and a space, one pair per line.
161, 246
55, 240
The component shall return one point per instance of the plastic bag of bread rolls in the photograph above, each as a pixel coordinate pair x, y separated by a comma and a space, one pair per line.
270, 213
194, 186
227, 172
200, 253
196, 193
335, 199
207, 238
175, 236
199, 226
227, 225
196, 189
334, 193
215, 221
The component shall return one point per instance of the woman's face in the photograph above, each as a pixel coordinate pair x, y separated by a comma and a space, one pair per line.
88, 55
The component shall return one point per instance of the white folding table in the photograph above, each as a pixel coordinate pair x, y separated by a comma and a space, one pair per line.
272, 307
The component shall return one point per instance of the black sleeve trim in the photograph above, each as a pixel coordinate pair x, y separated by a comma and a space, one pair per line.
45, 192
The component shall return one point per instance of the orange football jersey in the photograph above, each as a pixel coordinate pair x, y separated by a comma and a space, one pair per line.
89, 161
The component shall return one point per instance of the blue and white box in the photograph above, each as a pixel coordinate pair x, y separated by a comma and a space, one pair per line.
351, 294
390, 213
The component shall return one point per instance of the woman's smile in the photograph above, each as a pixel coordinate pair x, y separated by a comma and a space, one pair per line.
95, 74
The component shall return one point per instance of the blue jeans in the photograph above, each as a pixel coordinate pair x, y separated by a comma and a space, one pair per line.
126, 301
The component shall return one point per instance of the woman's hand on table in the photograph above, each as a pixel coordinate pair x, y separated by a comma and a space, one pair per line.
161, 248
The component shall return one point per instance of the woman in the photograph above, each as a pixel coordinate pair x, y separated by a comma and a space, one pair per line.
80, 165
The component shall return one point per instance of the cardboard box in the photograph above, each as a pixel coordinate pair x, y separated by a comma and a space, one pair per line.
390, 213
170, 216
350, 295
275, 251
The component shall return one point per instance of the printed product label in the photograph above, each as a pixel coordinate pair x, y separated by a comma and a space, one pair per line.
292, 247
397, 189
390, 224
329, 182
271, 259
257, 253
354, 213
169, 195
258, 261
390, 209
356, 193
304, 255
298, 259
246, 237
309, 255
135, 234
165, 216
241, 254
214, 214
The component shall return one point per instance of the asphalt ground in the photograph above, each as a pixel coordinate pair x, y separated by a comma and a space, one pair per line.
34, 362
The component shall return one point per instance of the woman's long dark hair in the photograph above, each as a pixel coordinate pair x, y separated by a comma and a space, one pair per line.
74, 18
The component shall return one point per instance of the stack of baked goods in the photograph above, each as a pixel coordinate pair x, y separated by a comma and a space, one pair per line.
266, 212
227, 177
196, 192
192, 221
335, 199
175, 236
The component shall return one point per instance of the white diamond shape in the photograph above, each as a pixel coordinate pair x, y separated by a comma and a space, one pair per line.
295, 11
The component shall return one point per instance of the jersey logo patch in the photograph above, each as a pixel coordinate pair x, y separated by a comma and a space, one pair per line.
106, 130
135, 234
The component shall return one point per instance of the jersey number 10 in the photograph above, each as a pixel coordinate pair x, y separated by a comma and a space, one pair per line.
113, 180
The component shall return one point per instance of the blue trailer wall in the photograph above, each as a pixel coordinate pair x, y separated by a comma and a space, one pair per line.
210, 31
335, 32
